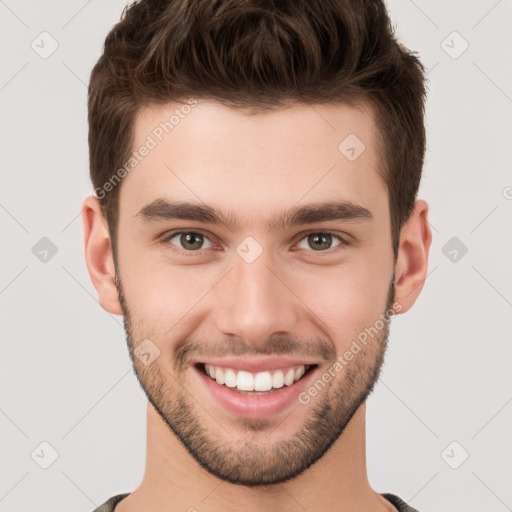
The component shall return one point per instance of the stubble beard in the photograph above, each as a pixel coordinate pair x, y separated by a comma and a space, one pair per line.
245, 461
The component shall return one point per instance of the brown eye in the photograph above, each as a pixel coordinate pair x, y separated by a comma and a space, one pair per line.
189, 241
321, 241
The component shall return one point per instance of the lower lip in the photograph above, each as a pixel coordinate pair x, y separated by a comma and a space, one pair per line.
256, 406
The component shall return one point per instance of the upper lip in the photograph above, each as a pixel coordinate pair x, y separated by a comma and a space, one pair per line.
254, 364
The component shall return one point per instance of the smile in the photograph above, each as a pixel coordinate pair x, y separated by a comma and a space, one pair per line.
255, 383
252, 388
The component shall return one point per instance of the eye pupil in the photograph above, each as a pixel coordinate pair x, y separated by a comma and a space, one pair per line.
326, 240
187, 240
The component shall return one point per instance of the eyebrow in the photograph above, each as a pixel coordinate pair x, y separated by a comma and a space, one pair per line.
163, 209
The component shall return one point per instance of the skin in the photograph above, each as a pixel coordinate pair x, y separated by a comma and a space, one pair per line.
306, 301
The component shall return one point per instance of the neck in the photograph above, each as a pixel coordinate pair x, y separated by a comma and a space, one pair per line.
174, 481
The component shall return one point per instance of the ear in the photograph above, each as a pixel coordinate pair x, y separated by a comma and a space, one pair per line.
98, 255
412, 261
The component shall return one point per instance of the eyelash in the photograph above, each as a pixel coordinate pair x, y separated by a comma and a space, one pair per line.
166, 238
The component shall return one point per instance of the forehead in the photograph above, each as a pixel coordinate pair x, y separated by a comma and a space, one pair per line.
254, 163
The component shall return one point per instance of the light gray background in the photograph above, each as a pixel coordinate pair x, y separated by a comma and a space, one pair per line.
65, 372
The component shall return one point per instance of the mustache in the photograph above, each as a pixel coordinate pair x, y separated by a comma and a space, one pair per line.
187, 350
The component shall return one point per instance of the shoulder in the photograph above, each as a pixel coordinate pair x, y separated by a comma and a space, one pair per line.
111, 503
400, 504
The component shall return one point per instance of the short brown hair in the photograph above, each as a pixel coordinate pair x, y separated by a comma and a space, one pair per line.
256, 55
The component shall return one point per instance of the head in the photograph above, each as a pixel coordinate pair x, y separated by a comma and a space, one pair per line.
296, 130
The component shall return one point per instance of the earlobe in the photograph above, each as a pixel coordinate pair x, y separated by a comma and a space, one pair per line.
412, 262
98, 255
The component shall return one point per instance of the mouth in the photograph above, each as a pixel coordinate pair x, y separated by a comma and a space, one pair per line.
255, 384
264, 391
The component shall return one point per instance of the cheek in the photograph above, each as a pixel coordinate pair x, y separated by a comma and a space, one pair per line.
347, 299
159, 294
166, 294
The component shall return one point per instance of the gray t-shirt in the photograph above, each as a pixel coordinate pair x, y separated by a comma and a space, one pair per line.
111, 503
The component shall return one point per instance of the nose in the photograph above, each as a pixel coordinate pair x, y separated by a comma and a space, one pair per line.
255, 301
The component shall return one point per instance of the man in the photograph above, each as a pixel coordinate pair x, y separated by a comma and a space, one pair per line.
255, 221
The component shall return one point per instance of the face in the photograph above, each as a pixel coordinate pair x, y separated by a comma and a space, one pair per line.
254, 255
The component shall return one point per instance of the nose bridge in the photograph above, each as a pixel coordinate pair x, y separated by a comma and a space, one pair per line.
254, 303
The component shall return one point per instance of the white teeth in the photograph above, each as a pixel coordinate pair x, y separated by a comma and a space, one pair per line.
245, 381
278, 379
218, 374
230, 378
289, 377
255, 382
262, 381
